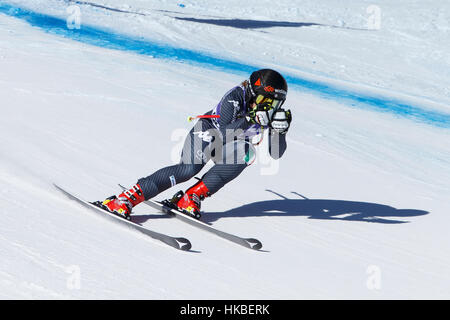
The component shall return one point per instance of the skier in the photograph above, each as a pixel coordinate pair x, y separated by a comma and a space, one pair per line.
222, 135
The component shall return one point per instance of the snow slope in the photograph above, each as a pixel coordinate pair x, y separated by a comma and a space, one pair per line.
357, 191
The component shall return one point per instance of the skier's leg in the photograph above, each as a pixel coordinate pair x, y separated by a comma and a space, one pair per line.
193, 159
167, 177
211, 182
234, 160
220, 174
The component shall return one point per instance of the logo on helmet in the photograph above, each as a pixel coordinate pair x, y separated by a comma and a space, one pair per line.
281, 91
269, 89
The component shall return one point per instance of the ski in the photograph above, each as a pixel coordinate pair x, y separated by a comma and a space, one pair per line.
175, 242
250, 243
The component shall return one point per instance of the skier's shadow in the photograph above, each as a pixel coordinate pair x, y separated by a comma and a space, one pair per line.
324, 209
260, 24
249, 24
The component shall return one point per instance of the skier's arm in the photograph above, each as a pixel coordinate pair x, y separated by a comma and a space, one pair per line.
231, 107
277, 144
239, 123
281, 121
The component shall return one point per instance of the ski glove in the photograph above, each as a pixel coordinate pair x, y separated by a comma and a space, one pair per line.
261, 117
281, 121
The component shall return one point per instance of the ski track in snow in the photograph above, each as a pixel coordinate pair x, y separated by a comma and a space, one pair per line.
374, 188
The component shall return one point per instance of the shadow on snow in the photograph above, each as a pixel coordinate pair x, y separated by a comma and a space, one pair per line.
324, 209
249, 24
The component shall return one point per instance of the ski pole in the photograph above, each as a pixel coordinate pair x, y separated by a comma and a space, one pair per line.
203, 117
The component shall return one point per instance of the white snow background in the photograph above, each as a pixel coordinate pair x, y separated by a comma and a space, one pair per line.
359, 206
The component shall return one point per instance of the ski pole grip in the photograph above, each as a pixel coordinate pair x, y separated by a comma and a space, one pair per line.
208, 116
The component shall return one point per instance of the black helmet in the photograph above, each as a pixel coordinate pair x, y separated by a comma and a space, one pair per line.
268, 83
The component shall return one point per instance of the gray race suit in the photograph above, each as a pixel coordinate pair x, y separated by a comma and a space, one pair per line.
224, 140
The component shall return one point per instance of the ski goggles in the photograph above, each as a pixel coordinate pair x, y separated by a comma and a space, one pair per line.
267, 103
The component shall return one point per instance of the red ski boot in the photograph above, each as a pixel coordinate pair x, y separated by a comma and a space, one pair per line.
189, 202
124, 202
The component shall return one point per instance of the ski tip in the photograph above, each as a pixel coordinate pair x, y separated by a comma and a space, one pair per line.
254, 244
184, 244
62, 190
